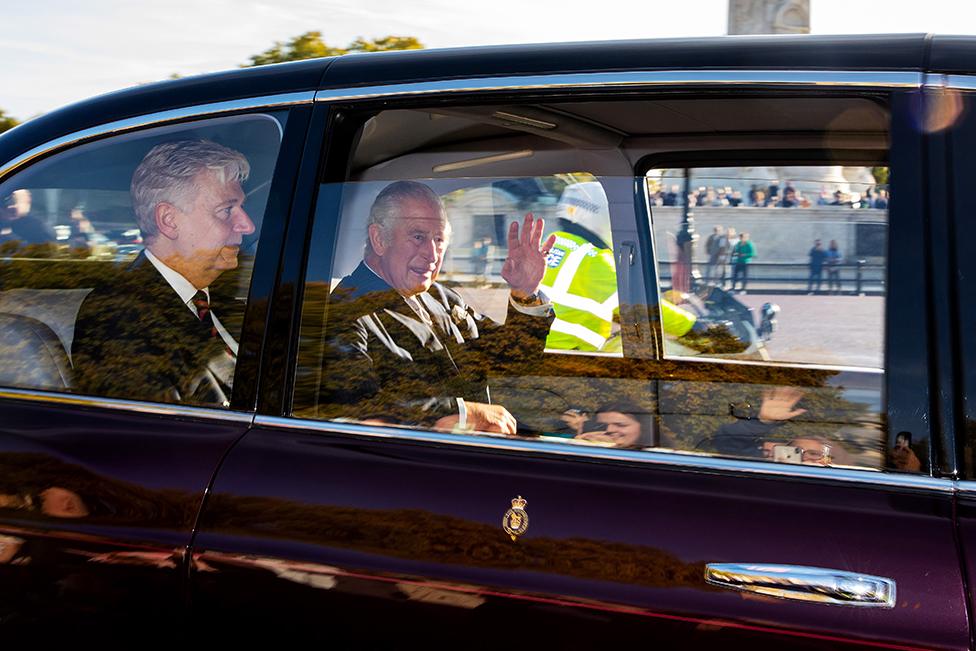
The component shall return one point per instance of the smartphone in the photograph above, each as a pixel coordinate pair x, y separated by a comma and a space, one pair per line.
787, 454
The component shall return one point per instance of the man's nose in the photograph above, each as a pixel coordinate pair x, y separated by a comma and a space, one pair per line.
429, 249
242, 222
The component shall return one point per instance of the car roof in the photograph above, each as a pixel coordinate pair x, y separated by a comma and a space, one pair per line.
903, 52
873, 52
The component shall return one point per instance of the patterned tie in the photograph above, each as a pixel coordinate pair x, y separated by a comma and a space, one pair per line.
220, 366
203, 311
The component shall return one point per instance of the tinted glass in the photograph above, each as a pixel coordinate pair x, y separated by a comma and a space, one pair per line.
125, 263
805, 253
413, 314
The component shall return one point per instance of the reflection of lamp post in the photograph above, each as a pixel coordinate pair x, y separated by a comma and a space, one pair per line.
681, 279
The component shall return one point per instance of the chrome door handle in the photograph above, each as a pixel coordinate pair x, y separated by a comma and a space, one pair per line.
815, 584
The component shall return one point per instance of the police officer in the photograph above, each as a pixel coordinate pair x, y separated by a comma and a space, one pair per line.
581, 278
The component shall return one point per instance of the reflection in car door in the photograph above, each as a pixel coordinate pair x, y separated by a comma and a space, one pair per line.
99, 496
311, 525
317, 527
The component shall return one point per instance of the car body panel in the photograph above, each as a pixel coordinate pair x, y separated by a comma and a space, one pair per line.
309, 526
106, 555
603, 537
902, 52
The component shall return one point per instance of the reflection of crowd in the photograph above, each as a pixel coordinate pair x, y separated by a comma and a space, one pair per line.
27, 231
769, 196
619, 425
757, 435
17, 222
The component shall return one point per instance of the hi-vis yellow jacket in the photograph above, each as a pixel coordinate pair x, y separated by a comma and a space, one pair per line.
581, 282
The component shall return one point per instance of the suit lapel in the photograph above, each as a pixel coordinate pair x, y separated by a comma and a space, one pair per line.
395, 321
441, 317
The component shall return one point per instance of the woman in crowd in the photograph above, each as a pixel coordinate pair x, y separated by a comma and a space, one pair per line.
622, 424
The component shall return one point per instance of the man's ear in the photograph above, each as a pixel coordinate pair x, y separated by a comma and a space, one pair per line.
166, 220
376, 239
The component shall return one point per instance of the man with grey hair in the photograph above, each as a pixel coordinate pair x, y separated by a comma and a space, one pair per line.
403, 348
152, 333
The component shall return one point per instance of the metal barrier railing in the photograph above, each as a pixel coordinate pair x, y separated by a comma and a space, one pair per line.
859, 277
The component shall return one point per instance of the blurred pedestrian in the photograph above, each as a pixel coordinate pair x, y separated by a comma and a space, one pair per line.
881, 202
817, 256
479, 255
716, 247
790, 199
833, 262
742, 254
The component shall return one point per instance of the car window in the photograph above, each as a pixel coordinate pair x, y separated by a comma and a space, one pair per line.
805, 254
777, 267
413, 314
467, 274
125, 263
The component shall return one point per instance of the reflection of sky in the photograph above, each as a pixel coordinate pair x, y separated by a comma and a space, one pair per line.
66, 51
871, 400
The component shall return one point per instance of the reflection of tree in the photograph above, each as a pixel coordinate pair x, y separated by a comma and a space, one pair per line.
691, 400
7, 121
381, 362
132, 313
28, 474
310, 46
426, 536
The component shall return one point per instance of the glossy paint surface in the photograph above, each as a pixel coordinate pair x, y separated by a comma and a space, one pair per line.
902, 52
99, 506
955, 185
344, 538
333, 514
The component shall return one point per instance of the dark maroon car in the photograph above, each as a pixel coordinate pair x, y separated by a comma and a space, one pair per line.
722, 398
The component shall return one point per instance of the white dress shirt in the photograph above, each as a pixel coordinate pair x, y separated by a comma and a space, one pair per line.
186, 291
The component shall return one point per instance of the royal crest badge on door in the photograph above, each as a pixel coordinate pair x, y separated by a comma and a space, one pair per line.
515, 522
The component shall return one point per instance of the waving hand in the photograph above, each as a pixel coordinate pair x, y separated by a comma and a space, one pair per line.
526, 262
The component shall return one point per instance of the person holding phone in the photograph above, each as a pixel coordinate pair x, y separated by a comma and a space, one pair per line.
622, 425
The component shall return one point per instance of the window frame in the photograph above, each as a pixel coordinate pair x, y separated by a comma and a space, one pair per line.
950, 176
690, 159
906, 355
343, 102
298, 107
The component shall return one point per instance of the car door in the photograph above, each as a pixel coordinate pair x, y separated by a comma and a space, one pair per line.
101, 490
952, 132
758, 501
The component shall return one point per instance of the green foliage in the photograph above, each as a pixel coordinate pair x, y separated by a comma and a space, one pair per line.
385, 44
7, 121
880, 175
311, 46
